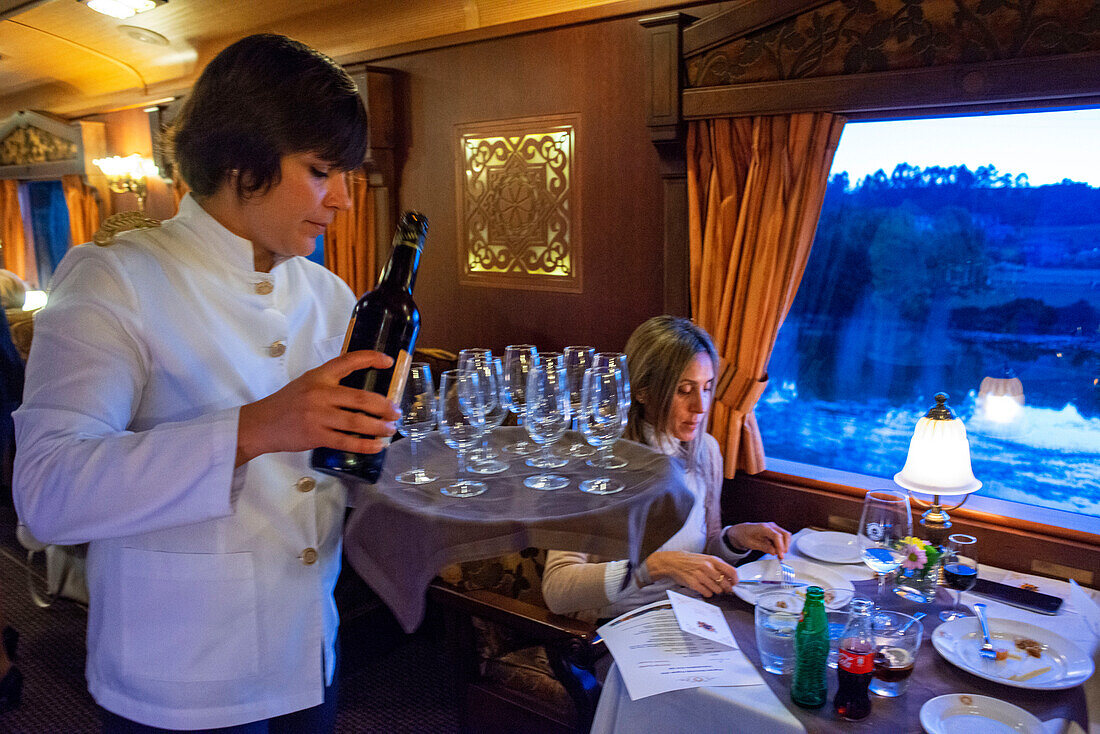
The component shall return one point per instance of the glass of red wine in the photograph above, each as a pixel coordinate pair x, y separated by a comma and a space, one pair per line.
960, 571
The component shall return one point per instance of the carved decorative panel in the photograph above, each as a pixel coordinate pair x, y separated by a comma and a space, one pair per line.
24, 146
518, 208
854, 36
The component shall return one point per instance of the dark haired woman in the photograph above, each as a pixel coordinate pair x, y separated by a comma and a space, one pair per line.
178, 378
673, 366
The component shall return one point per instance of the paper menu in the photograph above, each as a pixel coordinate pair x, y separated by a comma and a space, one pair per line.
655, 655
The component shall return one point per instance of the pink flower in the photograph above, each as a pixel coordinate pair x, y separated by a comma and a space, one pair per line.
915, 557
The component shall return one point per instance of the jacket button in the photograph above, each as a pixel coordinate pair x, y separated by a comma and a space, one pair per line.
264, 287
277, 349
305, 484
309, 556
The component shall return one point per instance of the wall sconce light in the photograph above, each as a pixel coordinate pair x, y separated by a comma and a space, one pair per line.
939, 465
128, 175
122, 8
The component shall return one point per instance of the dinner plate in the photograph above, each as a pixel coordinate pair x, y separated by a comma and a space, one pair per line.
806, 572
969, 713
830, 547
1061, 663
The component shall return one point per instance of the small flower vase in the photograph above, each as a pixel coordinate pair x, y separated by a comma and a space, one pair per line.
918, 584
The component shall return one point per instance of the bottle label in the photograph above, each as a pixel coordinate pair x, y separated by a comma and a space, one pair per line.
400, 374
856, 663
347, 335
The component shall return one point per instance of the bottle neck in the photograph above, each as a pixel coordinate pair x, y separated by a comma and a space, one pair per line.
400, 271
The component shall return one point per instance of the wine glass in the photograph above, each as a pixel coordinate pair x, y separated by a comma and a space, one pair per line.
617, 360
577, 361
418, 410
483, 460
960, 571
885, 521
546, 418
518, 360
460, 427
601, 422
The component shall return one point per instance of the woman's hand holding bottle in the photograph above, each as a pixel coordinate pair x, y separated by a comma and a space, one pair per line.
316, 410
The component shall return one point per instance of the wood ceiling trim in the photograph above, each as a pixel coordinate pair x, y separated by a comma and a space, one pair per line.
608, 11
743, 18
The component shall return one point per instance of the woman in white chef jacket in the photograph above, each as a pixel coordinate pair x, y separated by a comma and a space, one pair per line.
178, 379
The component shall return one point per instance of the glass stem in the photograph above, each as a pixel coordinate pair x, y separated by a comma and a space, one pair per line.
881, 584
415, 461
461, 451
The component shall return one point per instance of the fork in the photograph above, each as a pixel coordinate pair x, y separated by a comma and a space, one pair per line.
787, 573
987, 650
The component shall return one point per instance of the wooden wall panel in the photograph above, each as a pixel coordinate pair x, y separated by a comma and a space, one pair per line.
596, 71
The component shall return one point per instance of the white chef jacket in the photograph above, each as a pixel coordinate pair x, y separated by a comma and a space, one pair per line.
211, 587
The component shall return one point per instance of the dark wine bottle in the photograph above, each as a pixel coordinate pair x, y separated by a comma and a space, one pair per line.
386, 320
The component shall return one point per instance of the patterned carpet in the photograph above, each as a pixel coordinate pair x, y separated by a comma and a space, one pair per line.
389, 681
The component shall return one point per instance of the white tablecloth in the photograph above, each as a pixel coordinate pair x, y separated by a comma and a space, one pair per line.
757, 709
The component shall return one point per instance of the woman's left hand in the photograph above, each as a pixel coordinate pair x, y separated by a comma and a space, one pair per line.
761, 536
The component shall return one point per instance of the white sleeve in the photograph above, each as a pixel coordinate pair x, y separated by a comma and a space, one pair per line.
80, 473
615, 582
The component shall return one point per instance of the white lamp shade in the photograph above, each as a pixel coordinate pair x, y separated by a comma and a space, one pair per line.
939, 459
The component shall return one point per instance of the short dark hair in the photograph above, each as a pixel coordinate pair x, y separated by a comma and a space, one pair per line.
261, 98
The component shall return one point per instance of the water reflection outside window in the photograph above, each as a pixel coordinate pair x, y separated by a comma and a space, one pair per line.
935, 277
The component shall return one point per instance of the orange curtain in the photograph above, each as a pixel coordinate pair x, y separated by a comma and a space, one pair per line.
11, 230
349, 240
84, 213
755, 189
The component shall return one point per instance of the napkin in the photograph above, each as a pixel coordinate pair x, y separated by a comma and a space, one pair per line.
1061, 726
1085, 606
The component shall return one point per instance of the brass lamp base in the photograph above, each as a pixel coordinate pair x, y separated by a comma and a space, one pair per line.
935, 520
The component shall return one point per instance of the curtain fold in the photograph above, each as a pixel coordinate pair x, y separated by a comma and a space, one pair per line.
84, 212
350, 241
755, 189
12, 236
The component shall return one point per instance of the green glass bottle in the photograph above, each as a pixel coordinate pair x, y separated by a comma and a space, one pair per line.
811, 649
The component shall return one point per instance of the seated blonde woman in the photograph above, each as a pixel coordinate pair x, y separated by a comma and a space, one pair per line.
673, 365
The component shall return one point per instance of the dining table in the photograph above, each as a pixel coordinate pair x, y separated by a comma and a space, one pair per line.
767, 707
399, 536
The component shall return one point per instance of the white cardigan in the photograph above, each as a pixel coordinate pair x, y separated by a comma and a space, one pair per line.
211, 588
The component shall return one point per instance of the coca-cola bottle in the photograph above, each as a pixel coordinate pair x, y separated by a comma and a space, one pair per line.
855, 662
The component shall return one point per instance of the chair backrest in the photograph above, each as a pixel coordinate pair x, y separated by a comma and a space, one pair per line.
515, 575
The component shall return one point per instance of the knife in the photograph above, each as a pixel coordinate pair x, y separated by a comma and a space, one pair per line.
766, 582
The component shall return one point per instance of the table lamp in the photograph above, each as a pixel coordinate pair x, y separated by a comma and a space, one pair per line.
939, 465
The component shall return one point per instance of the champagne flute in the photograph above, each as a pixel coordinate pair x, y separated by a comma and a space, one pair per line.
487, 397
546, 419
960, 571
418, 409
459, 426
518, 360
577, 361
601, 421
885, 521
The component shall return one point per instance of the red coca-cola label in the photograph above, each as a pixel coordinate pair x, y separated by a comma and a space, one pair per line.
856, 663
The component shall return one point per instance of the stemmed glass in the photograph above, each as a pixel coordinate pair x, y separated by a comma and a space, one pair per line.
518, 361
546, 419
960, 571
418, 410
577, 361
885, 521
615, 360
601, 421
482, 460
460, 427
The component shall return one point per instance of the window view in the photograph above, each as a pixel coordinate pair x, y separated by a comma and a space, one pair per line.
959, 255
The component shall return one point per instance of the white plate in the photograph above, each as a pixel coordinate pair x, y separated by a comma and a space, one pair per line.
959, 640
804, 571
969, 713
830, 547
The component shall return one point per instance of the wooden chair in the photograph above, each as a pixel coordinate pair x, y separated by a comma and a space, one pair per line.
521, 667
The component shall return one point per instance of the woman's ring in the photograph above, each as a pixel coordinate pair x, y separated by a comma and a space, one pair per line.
720, 579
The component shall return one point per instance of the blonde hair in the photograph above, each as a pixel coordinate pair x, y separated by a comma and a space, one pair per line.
657, 354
